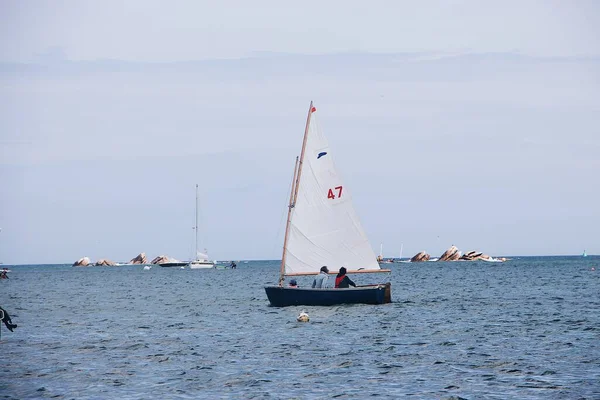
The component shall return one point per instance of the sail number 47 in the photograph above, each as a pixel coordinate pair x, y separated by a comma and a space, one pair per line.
331, 193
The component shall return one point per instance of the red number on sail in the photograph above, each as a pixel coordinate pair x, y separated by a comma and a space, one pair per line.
330, 194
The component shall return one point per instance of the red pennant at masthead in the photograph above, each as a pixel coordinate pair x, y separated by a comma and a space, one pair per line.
313, 109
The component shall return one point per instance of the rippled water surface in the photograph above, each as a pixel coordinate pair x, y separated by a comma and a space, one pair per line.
525, 329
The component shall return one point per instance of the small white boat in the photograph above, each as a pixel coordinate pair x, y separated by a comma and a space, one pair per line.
201, 264
491, 259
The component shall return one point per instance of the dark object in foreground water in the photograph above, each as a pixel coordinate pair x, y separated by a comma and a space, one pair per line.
6, 319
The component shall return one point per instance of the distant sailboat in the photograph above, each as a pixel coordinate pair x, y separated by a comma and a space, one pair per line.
584, 253
380, 258
201, 261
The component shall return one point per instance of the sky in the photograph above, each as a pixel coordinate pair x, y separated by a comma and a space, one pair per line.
458, 122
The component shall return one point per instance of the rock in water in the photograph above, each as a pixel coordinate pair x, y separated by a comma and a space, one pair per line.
82, 262
303, 317
452, 254
139, 259
422, 256
105, 262
160, 260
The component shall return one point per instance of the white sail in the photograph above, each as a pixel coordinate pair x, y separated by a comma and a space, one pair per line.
324, 227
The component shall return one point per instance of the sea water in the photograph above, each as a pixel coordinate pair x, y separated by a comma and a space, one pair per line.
528, 328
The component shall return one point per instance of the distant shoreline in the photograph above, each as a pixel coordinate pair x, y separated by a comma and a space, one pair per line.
513, 258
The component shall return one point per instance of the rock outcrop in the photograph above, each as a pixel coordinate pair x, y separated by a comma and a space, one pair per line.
160, 260
421, 256
470, 256
474, 256
452, 254
82, 262
105, 262
139, 259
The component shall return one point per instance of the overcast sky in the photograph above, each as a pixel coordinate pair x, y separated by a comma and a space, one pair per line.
455, 122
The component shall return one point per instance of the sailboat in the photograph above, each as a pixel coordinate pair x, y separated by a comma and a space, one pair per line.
323, 229
201, 261
584, 254
380, 258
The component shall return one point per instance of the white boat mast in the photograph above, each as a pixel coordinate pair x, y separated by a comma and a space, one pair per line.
196, 227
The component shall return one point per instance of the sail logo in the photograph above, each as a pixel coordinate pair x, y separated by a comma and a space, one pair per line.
321, 154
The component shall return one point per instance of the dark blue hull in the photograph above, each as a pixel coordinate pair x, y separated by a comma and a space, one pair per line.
373, 294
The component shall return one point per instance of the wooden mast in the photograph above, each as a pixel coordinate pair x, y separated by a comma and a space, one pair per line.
287, 225
294, 192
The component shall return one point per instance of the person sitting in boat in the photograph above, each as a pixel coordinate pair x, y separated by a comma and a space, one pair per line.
342, 281
233, 265
3, 274
321, 279
293, 284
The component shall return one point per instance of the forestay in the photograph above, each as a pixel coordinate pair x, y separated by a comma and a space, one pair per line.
324, 227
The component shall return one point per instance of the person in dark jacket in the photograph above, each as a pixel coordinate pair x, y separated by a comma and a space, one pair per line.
342, 281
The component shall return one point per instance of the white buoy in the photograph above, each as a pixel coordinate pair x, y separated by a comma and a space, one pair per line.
303, 317
147, 267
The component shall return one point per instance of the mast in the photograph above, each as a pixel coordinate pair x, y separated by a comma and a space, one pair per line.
310, 111
294, 191
196, 227
287, 225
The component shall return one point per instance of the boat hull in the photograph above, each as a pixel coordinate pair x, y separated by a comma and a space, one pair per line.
200, 265
372, 294
173, 264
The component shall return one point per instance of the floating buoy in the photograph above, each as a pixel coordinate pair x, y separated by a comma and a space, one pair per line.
303, 317
147, 267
